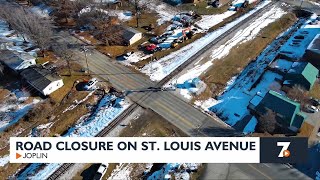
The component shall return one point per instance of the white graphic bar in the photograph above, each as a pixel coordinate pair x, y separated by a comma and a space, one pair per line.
135, 150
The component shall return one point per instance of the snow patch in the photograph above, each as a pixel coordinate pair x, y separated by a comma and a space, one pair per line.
122, 171
160, 69
4, 160
107, 110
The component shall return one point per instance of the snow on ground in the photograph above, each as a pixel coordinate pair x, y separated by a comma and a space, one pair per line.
159, 69
180, 171
193, 73
134, 58
121, 14
315, 3
250, 127
13, 41
4, 160
295, 47
122, 171
165, 11
208, 21
232, 104
76, 102
241, 36
42, 10
14, 108
88, 126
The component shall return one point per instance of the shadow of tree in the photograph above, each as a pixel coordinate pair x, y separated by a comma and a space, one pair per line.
89, 173
216, 132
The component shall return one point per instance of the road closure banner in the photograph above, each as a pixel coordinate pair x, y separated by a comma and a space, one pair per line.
157, 150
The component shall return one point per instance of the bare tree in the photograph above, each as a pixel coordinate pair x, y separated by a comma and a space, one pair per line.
1, 69
140, 6
298, 93
88, 18
28, 25
65, 10
62, 50
267, 122
108, 32
69, 9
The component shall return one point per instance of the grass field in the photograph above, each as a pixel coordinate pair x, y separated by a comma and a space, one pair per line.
202, 8
149, 124
315, 91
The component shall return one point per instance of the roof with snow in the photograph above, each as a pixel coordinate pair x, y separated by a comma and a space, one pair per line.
286, 109
39, 77
302, 73
315, 43
15, 60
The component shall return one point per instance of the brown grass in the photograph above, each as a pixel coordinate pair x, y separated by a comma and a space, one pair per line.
151, 124
48, 57
50, 109
144, 20
3, 94
115, 51
201, 8
163, 53
87, 36
306, 130
224, 69
315, 91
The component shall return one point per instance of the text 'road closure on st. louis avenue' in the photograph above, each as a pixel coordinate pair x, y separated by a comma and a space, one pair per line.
151, 150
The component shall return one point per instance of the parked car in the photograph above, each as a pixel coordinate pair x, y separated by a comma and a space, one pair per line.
311, 109
153, 48
100, 172
90, 84
315, 102
158, 39
174, 44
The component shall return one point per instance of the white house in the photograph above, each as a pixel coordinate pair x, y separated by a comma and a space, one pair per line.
42, 80
16, 61
131, 35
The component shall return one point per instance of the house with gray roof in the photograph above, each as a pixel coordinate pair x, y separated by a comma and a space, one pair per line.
131, 35
303, 74
15, 60
312, 53
287, 111
42, 80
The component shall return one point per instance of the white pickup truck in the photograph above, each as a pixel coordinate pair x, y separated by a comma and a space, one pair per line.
101, 172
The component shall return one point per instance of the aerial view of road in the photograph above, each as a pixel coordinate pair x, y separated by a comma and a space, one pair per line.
97, 68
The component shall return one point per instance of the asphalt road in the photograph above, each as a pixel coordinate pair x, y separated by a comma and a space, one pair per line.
179, 113
166, 104
304, 5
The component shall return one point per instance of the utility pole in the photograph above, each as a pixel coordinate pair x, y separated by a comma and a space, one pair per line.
85, 50
301, 3
136, 6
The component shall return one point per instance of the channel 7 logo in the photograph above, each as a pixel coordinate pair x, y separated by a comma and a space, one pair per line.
283, 150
